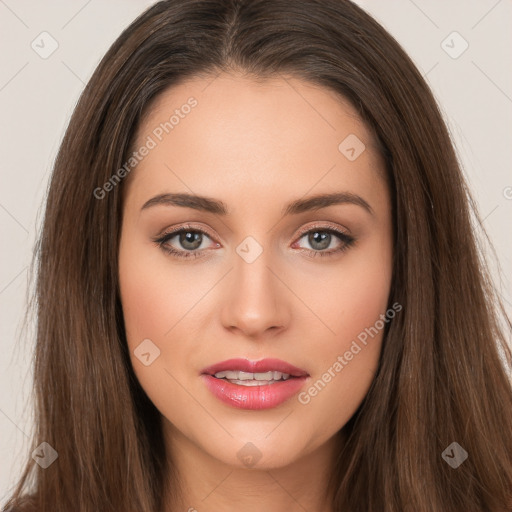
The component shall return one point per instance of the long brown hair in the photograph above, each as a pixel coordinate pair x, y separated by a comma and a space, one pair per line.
441, 378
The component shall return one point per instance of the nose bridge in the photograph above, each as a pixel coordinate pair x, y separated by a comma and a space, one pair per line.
253, 275
254, 303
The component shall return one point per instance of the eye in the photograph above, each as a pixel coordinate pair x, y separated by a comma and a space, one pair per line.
188, 243
320, 239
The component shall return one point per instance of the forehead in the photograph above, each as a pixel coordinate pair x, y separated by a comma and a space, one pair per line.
228, 133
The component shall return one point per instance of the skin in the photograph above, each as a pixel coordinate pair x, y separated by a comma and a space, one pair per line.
256, 146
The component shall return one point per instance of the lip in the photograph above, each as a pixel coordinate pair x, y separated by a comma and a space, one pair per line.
261, 366
261, 397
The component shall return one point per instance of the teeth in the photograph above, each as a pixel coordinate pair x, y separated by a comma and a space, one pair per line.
252, 382
264, 376
246, 376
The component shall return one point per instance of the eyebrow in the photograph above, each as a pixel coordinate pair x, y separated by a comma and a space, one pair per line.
207, 204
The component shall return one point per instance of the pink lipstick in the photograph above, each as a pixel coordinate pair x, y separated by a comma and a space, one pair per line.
254, 385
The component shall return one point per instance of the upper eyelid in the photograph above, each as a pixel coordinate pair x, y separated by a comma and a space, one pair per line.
172, 232
308, 229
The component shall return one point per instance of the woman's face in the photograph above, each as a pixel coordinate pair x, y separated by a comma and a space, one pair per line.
263, 269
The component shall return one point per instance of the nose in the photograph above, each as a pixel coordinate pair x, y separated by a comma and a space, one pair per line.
256, 301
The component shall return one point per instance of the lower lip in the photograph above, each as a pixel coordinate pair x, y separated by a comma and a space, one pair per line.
254, 397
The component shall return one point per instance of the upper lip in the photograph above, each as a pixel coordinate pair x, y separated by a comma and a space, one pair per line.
261, 366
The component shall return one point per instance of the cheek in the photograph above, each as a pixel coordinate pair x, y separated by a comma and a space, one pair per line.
160, 302
145, 306
351, 304
153, 298
147, 314
348, 296
153, 302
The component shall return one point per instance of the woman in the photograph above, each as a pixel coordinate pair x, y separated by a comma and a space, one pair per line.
258, 286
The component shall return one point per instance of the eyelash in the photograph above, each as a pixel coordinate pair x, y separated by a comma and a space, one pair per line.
162, 240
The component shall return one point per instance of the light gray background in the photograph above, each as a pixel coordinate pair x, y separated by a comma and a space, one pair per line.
37, 97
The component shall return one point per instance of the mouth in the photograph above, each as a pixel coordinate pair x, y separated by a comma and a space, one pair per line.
254, 384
